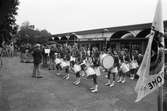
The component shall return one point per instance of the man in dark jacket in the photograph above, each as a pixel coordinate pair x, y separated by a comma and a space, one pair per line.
37, 57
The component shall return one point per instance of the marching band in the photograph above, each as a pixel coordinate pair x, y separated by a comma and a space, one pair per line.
91, 64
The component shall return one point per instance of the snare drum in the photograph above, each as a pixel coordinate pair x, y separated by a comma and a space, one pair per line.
124, 68
90, 71
97, 70
77, 68
57, 60
65, 64
107, 61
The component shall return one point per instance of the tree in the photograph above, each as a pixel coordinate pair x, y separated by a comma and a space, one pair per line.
28, 33
8, 27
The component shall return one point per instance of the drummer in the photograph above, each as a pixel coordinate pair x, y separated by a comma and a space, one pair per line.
133, 67
124, 70
67, 66
76, 68
58, 62
113, 71
96, 58
91, 73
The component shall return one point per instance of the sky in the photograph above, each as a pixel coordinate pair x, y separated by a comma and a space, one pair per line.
60, 16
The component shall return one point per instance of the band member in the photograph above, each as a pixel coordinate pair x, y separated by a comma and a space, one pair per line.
133, 68
58, 62
124, 69
83, 54
89, 61
113, 71
91, 73
66, 65
67, 76
96, 57
77, 69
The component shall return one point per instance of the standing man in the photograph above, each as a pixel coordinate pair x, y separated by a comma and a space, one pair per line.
37, 57
52, 58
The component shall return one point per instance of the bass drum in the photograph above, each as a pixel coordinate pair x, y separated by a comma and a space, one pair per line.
107, 61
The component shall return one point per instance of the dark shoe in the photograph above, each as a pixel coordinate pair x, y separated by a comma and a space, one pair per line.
33, 76
39, 76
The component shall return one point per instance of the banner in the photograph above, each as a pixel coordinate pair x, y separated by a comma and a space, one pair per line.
151, 71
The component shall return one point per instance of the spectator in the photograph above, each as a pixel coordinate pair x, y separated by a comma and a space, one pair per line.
52, 58
37, 57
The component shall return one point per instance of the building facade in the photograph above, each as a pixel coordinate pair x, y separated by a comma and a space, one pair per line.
130, 37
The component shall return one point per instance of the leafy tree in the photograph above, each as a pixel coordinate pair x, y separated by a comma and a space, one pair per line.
8, 27
28, 33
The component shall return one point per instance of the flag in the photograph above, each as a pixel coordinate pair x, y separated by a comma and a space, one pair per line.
151, 71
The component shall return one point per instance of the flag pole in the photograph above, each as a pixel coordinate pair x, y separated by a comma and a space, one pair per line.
160, 90
159, 18
160, 99
157, 30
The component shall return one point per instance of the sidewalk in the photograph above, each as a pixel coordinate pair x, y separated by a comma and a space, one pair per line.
20, 92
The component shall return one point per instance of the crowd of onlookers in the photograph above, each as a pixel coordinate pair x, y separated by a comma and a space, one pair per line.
7, 50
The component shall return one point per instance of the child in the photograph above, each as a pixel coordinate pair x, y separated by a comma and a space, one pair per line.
76, 68
133, 68
113, 70
58, 62
65, 65
124, 69
91, 73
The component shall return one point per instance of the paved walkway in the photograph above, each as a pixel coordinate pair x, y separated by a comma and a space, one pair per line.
20, 92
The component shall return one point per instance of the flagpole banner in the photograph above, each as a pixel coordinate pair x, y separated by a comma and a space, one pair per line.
151, 71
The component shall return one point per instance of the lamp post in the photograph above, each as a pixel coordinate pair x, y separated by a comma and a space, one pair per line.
59, 38
68, 37
74, 35
105, 30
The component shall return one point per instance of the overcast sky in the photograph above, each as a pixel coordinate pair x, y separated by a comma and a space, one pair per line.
58, 16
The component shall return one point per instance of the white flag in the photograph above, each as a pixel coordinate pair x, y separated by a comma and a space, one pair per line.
151, 71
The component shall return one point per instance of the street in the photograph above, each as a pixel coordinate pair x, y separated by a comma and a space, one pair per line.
20, 92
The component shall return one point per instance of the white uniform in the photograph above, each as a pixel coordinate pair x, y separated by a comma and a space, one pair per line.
114, 70
57, 61
97, 70
90, 71
65, 64
76, 68
134, 64
124, 67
